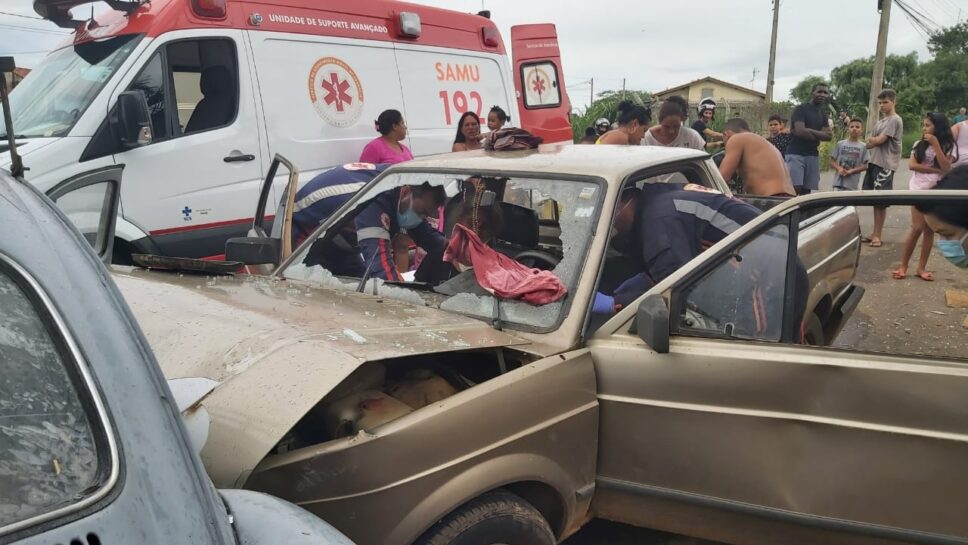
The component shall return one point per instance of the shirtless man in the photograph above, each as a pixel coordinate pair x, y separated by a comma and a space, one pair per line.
758, 162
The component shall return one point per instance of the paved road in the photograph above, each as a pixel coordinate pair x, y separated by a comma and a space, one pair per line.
916, 322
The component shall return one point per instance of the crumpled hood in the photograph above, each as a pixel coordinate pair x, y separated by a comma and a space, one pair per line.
276, 348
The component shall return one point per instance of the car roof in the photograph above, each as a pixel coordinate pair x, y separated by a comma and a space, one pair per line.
609, 162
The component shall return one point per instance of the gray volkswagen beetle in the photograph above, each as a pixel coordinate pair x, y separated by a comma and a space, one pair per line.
92, 448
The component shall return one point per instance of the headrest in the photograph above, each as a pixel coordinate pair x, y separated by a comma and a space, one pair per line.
215, 80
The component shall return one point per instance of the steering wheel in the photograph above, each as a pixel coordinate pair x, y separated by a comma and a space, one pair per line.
537, 259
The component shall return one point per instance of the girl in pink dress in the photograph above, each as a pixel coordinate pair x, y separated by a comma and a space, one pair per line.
389, 147
931, 157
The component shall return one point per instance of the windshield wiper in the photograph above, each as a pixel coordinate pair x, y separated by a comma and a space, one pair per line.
18, 136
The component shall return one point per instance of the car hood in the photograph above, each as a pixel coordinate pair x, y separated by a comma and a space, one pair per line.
275, 348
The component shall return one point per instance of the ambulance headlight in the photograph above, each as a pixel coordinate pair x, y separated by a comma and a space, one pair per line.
410, 24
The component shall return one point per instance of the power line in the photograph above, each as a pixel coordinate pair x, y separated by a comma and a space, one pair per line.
923, 26
946, 12
31, 29
9, 53
20, 15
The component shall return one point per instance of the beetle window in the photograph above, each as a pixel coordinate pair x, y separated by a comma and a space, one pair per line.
49, 455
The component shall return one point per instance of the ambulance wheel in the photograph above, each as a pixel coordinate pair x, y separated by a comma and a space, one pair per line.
498, 517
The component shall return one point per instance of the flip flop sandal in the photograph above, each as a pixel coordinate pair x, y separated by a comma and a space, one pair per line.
876, 243
865, 240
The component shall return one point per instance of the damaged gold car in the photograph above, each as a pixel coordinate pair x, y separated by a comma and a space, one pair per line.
430, 411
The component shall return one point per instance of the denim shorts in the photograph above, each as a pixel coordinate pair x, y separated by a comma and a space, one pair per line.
804, 170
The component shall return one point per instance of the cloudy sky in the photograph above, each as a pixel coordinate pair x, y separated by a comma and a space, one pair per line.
652, 44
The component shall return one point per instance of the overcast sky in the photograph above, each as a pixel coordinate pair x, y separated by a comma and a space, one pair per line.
653, 44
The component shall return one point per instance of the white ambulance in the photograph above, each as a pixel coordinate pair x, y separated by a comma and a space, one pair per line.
230, 83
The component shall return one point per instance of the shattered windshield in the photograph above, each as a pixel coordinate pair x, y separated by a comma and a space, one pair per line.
507, 250
52, 98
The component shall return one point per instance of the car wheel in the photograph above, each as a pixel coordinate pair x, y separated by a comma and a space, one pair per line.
498, 517
813, 331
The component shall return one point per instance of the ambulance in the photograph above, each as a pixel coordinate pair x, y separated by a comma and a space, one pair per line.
195, 97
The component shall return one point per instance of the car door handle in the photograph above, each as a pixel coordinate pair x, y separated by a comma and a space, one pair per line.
238, 158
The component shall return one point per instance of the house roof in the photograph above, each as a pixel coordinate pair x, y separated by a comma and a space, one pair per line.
713, 80
21, 72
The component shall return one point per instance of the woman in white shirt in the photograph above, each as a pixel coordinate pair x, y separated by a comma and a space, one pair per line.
670, 131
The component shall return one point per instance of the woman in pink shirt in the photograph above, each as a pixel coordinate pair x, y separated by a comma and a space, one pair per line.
931, 157
388, 148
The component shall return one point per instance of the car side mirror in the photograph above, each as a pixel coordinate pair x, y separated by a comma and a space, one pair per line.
652, 323
253, 250
131, 120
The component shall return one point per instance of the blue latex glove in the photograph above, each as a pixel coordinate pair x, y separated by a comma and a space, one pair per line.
603, 304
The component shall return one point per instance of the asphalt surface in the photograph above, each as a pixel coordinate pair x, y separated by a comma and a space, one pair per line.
906, 316
895, 316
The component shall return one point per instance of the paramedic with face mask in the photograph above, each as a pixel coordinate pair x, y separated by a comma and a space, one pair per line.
364, 248
950, 220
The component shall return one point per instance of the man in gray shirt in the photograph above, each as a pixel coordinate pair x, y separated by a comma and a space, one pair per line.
885, 155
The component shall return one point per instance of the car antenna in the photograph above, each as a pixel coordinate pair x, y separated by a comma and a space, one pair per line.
7, 64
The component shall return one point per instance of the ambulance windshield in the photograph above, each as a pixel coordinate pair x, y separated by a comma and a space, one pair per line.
54, 96
498, 230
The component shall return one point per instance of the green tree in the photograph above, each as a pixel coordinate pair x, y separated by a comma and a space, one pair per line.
850, 83
946, 75
953, 39
606, 105
801, 93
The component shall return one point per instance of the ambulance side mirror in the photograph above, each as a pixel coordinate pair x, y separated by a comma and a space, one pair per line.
131, 120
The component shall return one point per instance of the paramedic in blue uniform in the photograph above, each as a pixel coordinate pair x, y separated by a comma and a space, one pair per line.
667, 225
364, 248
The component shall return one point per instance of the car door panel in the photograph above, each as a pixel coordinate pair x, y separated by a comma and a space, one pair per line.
784, 431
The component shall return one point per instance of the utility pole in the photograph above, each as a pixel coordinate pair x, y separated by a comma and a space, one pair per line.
623, 88
877, 79
772, 69
591, 100
755, 70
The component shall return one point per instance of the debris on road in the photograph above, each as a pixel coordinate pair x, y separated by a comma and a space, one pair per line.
956, 298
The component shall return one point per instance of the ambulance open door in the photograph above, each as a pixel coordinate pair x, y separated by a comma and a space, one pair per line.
539, 82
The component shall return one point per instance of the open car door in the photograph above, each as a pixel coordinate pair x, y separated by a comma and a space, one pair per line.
539, 82
752, 435
269, 240
90, 202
